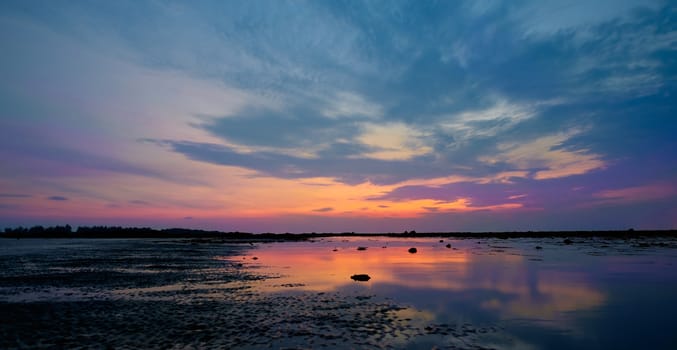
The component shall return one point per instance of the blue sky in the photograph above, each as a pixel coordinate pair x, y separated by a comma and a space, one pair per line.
332, 115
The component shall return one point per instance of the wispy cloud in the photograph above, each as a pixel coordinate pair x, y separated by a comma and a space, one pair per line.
350, 105
637, 193
487, 122
323, 210
548, 157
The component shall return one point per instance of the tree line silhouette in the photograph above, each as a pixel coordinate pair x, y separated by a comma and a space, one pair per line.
66, 231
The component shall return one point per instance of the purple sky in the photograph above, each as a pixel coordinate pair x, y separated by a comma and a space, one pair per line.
333, 116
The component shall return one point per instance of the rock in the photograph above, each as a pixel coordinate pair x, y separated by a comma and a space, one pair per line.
255, 258
568, 241
361, 248
539, 247
412, 250
448, 245
335, 250
441, 241
360, 277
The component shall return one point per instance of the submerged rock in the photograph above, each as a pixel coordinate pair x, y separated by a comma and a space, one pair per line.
568, 241
412, 250
360, 277
539, 247
448, 245
361, 248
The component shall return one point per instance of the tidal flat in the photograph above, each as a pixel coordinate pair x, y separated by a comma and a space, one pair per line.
451, 293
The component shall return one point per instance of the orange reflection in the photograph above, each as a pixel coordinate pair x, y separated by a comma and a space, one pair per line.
326, 270
516, 286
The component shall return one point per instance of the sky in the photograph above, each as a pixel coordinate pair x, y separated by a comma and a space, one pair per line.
339, 116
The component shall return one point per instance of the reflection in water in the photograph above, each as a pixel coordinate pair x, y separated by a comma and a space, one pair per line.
521, 289
553, 290
322, 269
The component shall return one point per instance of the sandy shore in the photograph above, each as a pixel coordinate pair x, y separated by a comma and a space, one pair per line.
180, 295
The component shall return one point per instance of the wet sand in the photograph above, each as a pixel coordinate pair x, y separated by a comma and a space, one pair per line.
182, 295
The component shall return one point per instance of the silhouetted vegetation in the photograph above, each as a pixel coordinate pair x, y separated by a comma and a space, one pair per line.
39, 231
146, 232
116, 232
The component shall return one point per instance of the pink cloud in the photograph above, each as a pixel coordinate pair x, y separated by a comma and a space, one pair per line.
637, 193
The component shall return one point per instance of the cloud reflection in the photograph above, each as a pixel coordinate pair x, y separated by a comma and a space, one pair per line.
500, 280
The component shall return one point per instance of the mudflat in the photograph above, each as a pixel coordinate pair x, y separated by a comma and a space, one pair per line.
483, 293
137, 293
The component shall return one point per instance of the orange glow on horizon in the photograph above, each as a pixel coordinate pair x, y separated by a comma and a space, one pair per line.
237, 193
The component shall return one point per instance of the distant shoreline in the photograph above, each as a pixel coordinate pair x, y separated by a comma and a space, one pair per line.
144, 232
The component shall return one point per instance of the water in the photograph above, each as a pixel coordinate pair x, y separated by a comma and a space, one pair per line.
594, 294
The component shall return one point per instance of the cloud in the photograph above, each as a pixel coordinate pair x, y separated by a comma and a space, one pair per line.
323, 210
275, 130
344, 169
635, 194
34, 151
544, 18
393, 141
94, 102
348, 104
487, 122
548, 157
474, 195
517, 196
57, 198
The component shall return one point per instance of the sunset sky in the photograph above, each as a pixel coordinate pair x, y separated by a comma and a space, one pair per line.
333, 116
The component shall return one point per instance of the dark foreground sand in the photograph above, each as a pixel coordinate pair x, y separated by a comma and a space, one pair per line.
183, 295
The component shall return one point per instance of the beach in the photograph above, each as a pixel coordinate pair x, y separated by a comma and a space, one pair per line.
194, 294
171, 294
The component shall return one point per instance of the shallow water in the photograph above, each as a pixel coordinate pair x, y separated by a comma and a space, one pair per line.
593, 294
